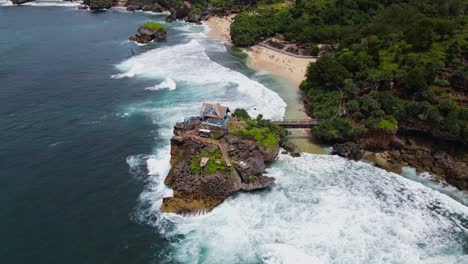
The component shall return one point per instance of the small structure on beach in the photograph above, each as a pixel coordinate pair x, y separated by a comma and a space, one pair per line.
215, 114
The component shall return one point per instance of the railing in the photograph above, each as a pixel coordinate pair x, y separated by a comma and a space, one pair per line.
297, 123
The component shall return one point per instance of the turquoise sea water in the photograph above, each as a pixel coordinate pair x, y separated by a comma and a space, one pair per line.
86, 118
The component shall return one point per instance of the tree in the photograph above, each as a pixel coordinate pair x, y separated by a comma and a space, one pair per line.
415, 82
241, 113
327, 72
421, 35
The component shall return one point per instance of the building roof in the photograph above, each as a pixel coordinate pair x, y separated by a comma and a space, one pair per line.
214, 110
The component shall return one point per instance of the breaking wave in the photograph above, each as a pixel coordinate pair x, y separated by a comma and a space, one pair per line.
188, 64
324, 209
168, 83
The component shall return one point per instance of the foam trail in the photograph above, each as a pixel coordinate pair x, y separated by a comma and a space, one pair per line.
168, 83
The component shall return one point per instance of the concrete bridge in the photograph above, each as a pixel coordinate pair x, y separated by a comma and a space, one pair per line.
297, 123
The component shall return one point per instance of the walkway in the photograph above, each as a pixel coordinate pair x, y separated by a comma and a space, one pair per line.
209, 141
297, 123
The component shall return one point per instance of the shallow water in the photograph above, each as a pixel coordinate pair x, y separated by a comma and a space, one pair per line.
87, 118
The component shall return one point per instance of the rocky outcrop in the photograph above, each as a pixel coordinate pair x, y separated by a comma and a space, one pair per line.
146, 35
197, 190
425, 152
19, 2
438, 162
348, 150
172, 16
98, 4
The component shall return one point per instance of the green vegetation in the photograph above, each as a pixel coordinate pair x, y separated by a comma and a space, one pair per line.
211, 166
388, 62
263, 131
241, 113
339, 130
154, 26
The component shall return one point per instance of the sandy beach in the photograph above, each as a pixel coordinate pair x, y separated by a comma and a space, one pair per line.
289, 67
220, 27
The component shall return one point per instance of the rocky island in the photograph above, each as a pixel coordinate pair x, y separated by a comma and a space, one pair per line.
150, 31
215, 155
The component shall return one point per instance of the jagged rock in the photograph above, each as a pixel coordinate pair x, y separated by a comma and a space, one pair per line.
456, 172
295, 154
83, 7
146, 35
348, 150
288, 146
153, 8
133, 7
172, 17
397, 143
382, 160
195, 191
260, 182
98, 4
194, 16
19, 2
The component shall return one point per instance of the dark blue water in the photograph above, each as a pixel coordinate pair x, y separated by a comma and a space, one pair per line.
66, 195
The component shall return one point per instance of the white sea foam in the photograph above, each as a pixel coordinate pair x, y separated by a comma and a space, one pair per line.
5, 3
324, 209
188, 64
53, 3
168, 83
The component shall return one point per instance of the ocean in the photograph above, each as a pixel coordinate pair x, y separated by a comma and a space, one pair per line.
86, 117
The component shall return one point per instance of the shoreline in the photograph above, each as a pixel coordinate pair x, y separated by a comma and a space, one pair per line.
261, 58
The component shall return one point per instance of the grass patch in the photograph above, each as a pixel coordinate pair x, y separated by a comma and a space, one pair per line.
267, 135
211, 166
154, 26
388, 123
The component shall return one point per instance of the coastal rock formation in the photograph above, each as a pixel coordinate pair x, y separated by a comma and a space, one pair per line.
207, 170
348, 150
149, 32
19, 2
98, 4
417, 152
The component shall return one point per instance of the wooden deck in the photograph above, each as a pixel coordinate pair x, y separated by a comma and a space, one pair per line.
297, 123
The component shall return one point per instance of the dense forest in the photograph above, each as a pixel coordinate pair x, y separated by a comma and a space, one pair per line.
391, 64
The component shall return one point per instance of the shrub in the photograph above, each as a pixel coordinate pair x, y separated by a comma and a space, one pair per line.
387, 123
241, 113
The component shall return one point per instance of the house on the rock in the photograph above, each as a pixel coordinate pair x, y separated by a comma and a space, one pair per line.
215, 114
